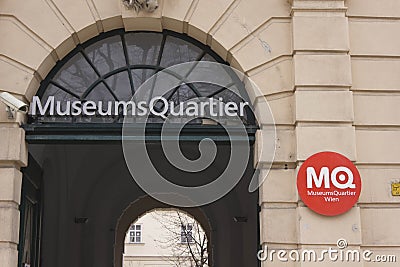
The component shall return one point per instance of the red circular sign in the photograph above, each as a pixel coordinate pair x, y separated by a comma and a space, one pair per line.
329, 183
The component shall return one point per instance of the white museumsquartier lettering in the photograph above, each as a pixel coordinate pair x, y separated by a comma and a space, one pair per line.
158, 106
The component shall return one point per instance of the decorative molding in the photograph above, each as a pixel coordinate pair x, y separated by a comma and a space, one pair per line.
189, 15
95, 14
318, 7
147, 5
63, 20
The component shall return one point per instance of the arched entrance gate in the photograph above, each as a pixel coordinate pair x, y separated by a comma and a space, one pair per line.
86, 188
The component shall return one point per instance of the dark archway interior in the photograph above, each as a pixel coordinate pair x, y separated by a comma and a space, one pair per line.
87, 188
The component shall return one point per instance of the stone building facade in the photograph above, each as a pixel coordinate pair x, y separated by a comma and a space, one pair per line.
329, 70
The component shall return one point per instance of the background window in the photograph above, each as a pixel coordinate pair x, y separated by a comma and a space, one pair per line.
135, 233
187, 233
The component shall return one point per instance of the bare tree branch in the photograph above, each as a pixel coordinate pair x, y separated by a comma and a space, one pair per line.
191, 253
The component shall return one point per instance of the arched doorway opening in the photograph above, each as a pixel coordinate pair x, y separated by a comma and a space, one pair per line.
168, 237
87, 187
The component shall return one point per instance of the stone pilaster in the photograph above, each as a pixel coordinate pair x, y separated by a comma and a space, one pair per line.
13, 155
324, 111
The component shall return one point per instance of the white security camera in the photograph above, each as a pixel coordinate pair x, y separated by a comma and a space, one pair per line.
13, 104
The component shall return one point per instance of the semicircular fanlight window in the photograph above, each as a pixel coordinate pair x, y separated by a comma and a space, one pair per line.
114, 65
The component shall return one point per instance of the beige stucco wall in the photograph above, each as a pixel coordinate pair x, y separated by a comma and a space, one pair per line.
330, 75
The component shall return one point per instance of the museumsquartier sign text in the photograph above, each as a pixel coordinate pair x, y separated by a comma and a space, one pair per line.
158, 106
